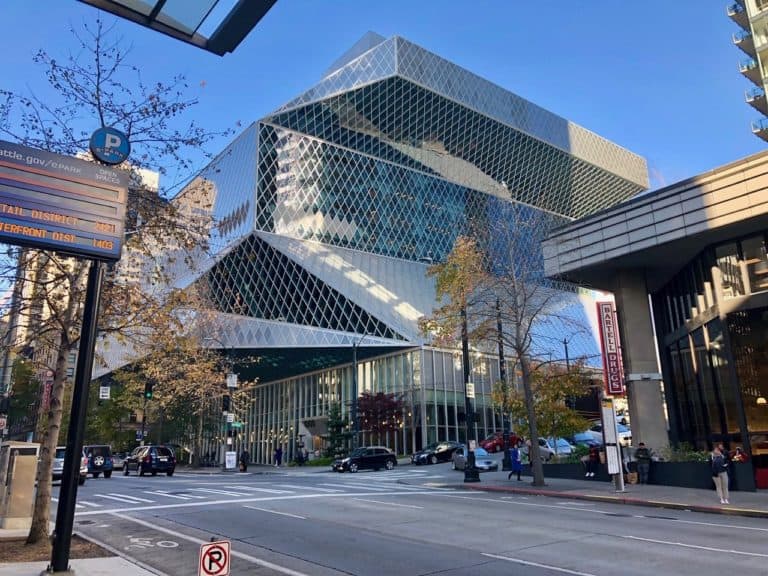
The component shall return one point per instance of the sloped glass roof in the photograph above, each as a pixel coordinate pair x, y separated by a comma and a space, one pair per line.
187, 20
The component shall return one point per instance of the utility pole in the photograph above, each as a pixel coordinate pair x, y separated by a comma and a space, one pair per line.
471, 473
506, 462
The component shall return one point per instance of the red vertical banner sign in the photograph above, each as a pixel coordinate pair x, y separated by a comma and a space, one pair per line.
609, 341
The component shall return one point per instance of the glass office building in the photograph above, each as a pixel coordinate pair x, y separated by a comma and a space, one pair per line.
329, 211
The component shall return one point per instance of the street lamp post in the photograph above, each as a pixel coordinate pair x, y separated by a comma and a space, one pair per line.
506, 462
353, 411
471, 473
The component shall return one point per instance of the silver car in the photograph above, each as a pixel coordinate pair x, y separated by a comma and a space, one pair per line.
58, 465
483, 460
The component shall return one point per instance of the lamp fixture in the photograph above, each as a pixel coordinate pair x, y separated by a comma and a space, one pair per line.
761, 401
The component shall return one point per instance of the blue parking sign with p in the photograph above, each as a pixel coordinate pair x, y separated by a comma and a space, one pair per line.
110, 146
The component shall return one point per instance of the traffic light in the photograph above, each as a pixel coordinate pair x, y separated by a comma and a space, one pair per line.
148, 389
225, 403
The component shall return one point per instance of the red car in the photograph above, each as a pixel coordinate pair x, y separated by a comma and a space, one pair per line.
495, 442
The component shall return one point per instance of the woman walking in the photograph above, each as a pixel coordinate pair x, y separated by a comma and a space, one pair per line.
720, 473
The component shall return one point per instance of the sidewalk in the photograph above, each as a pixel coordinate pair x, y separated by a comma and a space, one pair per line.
754, 504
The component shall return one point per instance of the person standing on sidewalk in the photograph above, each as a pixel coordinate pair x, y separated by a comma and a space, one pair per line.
593, 461
244, 459
643, 457
278, 456
517, 462
720, 474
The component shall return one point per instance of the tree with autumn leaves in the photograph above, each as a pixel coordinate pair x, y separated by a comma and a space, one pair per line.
380, 415
96, 85
495, 274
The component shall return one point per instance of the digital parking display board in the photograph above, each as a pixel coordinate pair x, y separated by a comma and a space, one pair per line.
61, 203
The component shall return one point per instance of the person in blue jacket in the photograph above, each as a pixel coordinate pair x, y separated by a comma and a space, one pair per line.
517, 462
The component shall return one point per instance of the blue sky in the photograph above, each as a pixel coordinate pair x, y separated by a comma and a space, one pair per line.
658, 77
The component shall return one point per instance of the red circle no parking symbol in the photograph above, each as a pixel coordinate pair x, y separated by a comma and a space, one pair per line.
214, 559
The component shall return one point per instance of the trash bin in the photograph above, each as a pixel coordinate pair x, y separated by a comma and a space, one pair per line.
18, 470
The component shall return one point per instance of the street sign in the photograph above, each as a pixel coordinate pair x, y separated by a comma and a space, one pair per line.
231, 380
61, 203
110, 146
230, 417
237, 424
470, 390
214, 559
104, 392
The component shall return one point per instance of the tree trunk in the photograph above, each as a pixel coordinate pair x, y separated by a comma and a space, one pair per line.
534, 454
41, 515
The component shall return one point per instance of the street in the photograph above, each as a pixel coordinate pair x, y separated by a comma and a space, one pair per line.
401, 522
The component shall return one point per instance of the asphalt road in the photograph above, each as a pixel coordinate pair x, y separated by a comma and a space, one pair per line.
373, 523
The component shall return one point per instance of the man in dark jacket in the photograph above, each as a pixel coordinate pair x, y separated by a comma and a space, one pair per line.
244, 459
643, 457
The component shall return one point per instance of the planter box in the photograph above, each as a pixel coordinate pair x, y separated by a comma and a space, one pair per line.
683, 474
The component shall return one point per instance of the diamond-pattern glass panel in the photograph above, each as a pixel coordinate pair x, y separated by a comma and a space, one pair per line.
255, 280
404, 123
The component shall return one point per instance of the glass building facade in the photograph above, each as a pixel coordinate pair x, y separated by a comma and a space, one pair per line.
327, 213
713, 330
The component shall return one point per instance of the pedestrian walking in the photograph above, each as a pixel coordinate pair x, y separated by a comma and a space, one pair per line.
593, 461
643, 457
517, 462
720, 473
278, 456
244, 459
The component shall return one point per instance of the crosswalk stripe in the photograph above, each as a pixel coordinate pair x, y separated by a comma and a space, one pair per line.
161, 493
90, 504
308, 488
120, 498
130, 497
57, 500
223, 492
255, 489
353, 485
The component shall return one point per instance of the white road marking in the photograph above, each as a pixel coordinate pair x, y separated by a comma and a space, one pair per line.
537, 565
389, 503
262, 499
275, 512
90, 504
221, 492
694, 546
198, 541
131, 497
57, 500
308, 488
119, 499
350, 485
161, 493
256, 489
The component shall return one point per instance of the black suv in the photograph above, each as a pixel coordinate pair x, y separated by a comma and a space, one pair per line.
375, 457
99, 460
434, 453
150, 459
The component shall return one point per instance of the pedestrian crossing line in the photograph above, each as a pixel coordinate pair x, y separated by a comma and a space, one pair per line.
130, 497
308, 488
161, 493
220, 492
57, 501
352, 485
121, 498
255, 489
90, 504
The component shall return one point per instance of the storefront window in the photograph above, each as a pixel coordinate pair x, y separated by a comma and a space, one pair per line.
727, 389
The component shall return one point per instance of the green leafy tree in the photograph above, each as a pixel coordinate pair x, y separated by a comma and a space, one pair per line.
338, 436
25, 395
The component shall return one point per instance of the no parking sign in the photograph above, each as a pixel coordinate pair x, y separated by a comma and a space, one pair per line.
214, 559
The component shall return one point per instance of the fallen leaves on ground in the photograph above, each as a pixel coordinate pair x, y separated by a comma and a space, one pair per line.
18, 551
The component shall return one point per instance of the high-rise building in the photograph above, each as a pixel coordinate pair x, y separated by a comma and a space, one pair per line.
329, 211
752, 39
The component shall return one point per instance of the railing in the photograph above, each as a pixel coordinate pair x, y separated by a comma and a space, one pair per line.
735, 8
746, 65
739, 37
754, 94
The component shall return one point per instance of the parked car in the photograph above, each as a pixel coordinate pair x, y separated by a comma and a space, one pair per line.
118, 458
625, 434
483, 461
547, 448
371, 457
436, 452
494, 442
150, 459
583, 439
99, 460
58, 465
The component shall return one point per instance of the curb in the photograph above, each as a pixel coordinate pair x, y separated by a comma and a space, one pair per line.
618, 500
